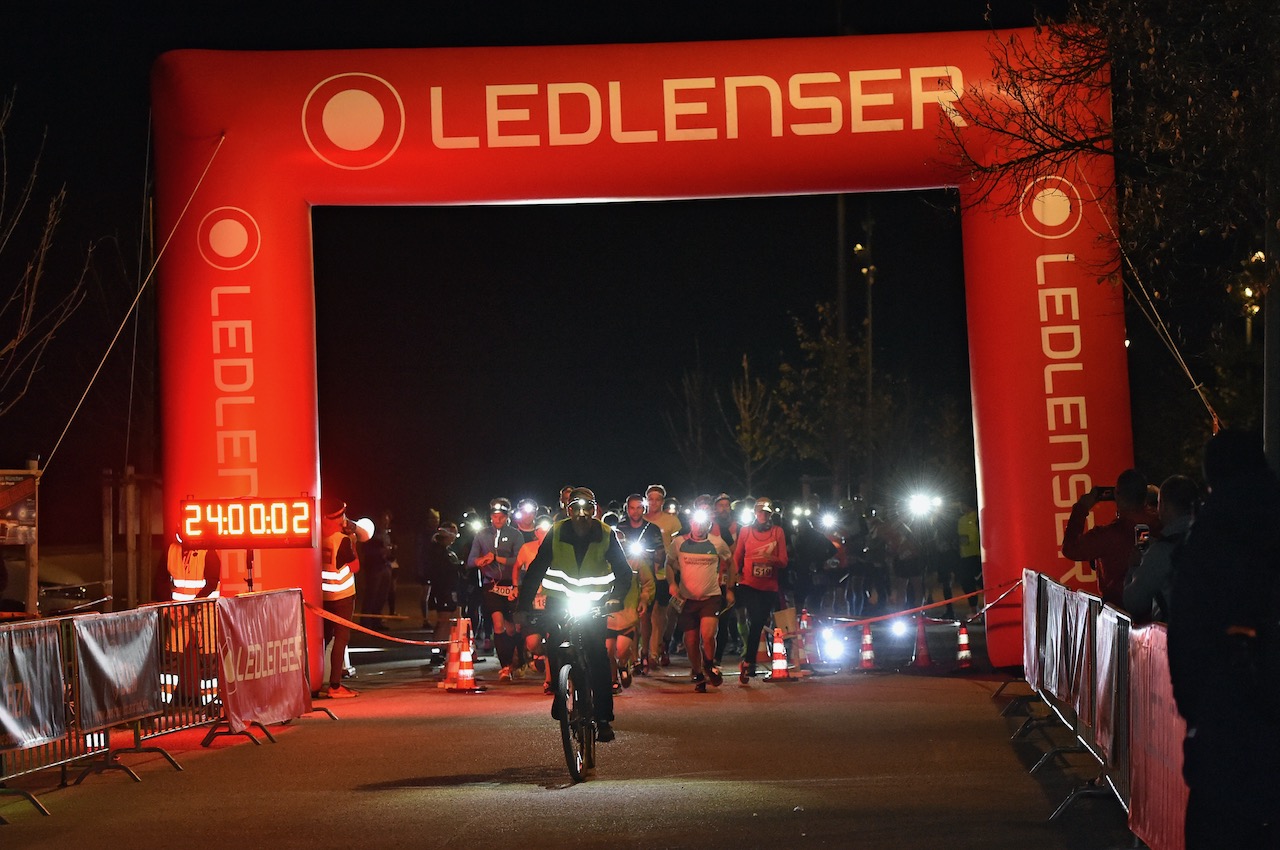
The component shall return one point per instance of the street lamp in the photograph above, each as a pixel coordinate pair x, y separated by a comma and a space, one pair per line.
1249, 286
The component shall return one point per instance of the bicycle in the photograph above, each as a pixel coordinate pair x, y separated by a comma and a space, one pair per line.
573, 702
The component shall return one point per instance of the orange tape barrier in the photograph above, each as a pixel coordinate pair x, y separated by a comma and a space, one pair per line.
848, 623
320, 612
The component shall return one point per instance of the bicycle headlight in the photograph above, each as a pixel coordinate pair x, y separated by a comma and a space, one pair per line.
579, 605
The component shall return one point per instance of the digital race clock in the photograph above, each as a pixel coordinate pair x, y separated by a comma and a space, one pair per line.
252, 523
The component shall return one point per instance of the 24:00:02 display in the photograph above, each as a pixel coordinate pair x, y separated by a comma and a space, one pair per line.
242, 523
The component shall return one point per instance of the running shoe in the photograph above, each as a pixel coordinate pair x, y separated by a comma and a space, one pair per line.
744, 673
546, 689
624, 675
699, 683
604, 732
714, 676
700, 688
339, 692
617, 688
665, 659
504, 675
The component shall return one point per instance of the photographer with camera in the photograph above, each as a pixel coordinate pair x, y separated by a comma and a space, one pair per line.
1112, 548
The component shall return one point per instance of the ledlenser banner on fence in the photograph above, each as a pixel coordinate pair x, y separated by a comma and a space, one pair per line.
1105, 679
32, 711
1054, 674
1159, 796
1030, 627
119, 665
263, 670
1079, 622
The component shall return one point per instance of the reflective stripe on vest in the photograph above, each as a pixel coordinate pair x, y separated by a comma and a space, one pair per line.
186, 572
566, 578
335, 582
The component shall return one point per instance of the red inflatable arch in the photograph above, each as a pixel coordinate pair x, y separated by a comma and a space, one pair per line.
246, 143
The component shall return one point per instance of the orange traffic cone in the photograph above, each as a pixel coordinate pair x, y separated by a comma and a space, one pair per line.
450, 679
800, 646
804, 646
779, 672
921, 655
964, 658
466, 670
868, 649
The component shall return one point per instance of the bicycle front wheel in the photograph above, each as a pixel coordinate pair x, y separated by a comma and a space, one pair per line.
576, 753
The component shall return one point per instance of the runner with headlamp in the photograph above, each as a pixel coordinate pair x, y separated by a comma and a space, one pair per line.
642, 541
701, 562
493, 553
760, 553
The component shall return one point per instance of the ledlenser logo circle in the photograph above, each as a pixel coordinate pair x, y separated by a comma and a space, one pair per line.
228, 238
353, 121
1051, 207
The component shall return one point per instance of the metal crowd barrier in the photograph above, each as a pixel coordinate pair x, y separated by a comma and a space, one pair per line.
188, 668
1077, 654
45, 727
72, 744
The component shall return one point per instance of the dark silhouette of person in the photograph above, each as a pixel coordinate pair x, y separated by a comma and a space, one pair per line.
1224, 575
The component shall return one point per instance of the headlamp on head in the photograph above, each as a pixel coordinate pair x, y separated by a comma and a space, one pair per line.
700, 517
582, 503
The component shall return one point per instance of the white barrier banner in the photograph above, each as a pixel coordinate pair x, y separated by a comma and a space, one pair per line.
118, 656
263, 670
31, 711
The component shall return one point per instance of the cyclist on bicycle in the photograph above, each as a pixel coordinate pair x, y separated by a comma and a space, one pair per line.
581, 559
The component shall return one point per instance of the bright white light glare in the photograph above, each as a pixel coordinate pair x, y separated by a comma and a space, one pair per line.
828, 520
796, 510
833, 649
578, 605
795, 523
637, 550
899, 628
545, 525
746, 517
476, 525
919, 504
364, 529
828, 634
701, 517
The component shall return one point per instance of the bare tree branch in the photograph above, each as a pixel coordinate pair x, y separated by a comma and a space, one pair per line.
27, 326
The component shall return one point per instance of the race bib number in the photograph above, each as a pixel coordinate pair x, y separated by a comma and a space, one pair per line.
540, 602
761, 569
505, 590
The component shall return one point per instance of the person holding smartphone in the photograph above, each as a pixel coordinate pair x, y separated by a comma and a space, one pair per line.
1110, 549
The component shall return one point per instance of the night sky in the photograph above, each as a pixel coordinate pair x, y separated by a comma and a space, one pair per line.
449, 337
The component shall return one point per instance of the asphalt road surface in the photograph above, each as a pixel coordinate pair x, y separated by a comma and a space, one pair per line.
915, 759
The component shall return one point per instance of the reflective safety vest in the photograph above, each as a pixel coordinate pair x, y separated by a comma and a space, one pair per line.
566, 578
186, 571
336, 582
